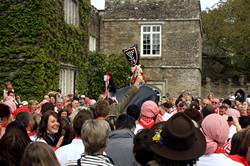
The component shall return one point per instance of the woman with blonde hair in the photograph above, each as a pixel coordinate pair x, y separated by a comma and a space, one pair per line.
39, 154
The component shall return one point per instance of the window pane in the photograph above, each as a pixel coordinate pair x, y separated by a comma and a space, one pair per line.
156, 38
151, 40
146, 43
146, 29
156, 28
146, 38
71, 12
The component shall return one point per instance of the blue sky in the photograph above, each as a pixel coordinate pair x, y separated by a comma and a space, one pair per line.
99, 4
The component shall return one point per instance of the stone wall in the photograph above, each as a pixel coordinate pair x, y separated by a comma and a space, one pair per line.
180, 63
177, 80
222, 88
94, 26
179, 66
151, 9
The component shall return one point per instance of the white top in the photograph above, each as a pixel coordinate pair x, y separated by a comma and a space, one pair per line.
166, 116
70, 152
138, 128
38, 140
97, 160
232, 131
216, 160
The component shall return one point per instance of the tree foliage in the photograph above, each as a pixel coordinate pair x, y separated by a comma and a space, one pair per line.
98, 65
227, 35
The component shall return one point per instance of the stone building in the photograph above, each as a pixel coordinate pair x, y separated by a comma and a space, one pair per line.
43, 46
168, 34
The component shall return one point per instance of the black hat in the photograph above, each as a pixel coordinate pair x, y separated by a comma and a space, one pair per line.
177, 139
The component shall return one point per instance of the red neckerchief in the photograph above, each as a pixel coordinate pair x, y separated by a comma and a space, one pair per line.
239, 159
220, 150
146, 122
31, 133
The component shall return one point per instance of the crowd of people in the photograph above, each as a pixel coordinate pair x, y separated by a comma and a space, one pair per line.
79, 131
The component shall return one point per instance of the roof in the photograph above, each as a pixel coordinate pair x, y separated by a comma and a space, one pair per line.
152, 9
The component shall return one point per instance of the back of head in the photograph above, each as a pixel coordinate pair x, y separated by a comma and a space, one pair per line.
24, 118
36, 118
47, 107
141, 151
39, 154
245, 144
80, 119
134, 111
194, 114
207, 110
216, 131
4, 111
228, 102
102, 108
111, 119
13, 144
167, 105
149, 109
236, 142
94, 135
244, 121
67, 131
125, 121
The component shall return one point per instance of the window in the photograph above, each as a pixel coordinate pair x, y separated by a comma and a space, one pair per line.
71, 12
67, 80
92, 43
151, 40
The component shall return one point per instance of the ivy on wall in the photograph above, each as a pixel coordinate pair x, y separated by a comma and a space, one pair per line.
35, 39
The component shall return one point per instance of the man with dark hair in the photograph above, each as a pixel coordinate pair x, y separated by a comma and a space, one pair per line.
74, 150
120, 145
207, 110
134, 111
230, 110
102, 109
166, 110
24, 119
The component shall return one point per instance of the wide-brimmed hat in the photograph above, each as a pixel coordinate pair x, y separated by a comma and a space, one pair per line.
177, 139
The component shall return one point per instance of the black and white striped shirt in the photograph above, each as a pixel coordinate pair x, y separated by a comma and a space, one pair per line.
87, 160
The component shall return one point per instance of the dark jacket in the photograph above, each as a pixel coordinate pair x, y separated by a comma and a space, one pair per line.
120, 148
117, 108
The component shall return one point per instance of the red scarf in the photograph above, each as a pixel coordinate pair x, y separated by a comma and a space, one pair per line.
146, 122
220, 150
239, 159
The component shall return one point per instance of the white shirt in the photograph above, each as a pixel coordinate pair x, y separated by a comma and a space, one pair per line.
138, 128
166, 116
39, 140
216, 160
232, 131
70, 152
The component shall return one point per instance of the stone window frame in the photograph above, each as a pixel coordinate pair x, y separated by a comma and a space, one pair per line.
92, 43
67, 77
151, 33
71, 12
